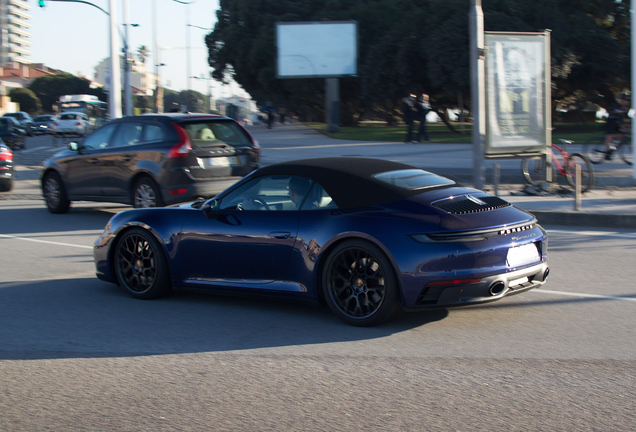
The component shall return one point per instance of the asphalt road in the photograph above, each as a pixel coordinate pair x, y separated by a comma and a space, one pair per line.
78, 354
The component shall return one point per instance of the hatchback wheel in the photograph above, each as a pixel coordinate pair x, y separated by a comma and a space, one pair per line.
6, 185
359, 284
55, 193
141, 266
146, 194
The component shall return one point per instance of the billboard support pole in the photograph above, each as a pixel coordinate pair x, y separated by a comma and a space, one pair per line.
478, 90
332, 104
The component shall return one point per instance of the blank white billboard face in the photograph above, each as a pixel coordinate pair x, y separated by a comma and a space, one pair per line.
317, 49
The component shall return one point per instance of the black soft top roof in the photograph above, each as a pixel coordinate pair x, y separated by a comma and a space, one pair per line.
348, 180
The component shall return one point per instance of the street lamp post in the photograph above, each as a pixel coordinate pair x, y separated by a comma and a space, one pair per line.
114, 94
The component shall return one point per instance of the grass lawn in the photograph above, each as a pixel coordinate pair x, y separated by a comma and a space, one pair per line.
439, 133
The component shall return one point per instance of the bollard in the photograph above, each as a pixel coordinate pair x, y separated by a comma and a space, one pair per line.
577, 187
495, 179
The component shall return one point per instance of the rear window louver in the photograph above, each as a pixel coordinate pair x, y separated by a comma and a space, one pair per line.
471, 204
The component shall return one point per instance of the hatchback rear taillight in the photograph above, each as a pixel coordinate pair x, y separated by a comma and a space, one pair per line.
6, 155
183, 147
78, 124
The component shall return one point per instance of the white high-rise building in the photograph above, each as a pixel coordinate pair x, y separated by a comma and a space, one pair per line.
14, 28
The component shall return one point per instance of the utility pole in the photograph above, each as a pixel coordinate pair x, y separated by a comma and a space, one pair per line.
114, 93
478, 90
127, 91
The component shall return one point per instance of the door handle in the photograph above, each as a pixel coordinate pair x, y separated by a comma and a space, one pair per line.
93, 161
280, 234
127, 158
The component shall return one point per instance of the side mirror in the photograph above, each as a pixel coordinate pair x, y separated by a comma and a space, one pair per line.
73, 145
210, 208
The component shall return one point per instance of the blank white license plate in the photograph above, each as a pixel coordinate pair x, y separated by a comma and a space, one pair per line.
223, 161
522, 255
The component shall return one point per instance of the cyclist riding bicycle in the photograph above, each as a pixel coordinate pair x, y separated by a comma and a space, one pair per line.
616, 123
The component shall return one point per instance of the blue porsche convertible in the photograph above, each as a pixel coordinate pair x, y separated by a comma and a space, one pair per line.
370, 238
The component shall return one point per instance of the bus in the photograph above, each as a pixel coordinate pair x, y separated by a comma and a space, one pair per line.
95, 110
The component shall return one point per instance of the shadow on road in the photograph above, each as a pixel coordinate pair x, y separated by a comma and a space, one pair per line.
87, 318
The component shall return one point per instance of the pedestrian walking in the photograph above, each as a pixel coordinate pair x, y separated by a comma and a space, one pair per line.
269, 110
423, 106
409, 113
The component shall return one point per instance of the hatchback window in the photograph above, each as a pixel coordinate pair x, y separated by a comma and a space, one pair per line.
154, 133
42, 118
214, 133
128, 134
100, 138
68, 117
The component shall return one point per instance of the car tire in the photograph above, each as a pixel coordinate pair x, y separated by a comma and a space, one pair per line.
141, 266
6, 185
146, 194
54, 193
359, 284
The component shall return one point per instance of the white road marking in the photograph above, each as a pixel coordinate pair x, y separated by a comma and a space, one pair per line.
601, 297
45, 241
595, 233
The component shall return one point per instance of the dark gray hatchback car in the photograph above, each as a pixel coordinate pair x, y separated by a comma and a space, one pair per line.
151, 161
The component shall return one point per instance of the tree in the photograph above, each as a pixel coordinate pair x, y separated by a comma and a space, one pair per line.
49, 88
143, 53
420, 46
28, 101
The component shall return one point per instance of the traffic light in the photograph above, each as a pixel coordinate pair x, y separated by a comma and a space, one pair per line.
41, 3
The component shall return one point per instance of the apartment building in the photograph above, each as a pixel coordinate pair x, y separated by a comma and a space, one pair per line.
14, 31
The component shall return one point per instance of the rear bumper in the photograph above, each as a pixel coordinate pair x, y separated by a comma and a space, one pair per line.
178, 193
491, 288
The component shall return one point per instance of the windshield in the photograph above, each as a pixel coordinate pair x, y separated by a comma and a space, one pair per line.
14, 115
211, 133
413, 179
42, 118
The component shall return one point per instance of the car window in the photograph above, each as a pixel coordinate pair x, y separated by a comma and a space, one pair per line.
153, 133
318, 199
42, 118
210, 133
127, 135
100, 138
273, 193
68, 117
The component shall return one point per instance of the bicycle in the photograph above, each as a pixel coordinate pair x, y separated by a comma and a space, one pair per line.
596, 152
534, 168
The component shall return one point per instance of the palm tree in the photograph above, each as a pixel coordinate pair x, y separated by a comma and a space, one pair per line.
143, 53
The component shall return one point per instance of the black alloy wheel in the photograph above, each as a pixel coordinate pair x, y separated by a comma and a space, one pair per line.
141, 266
146, 194
359, 284
55, 194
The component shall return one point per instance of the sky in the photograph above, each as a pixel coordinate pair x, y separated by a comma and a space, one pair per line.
74, 37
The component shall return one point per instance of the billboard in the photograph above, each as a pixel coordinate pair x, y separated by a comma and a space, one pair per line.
517, 93
321, 49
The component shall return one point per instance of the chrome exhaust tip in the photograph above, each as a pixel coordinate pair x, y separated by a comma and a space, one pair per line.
497, 288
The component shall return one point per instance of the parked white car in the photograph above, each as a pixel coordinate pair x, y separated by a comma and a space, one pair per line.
72, 123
